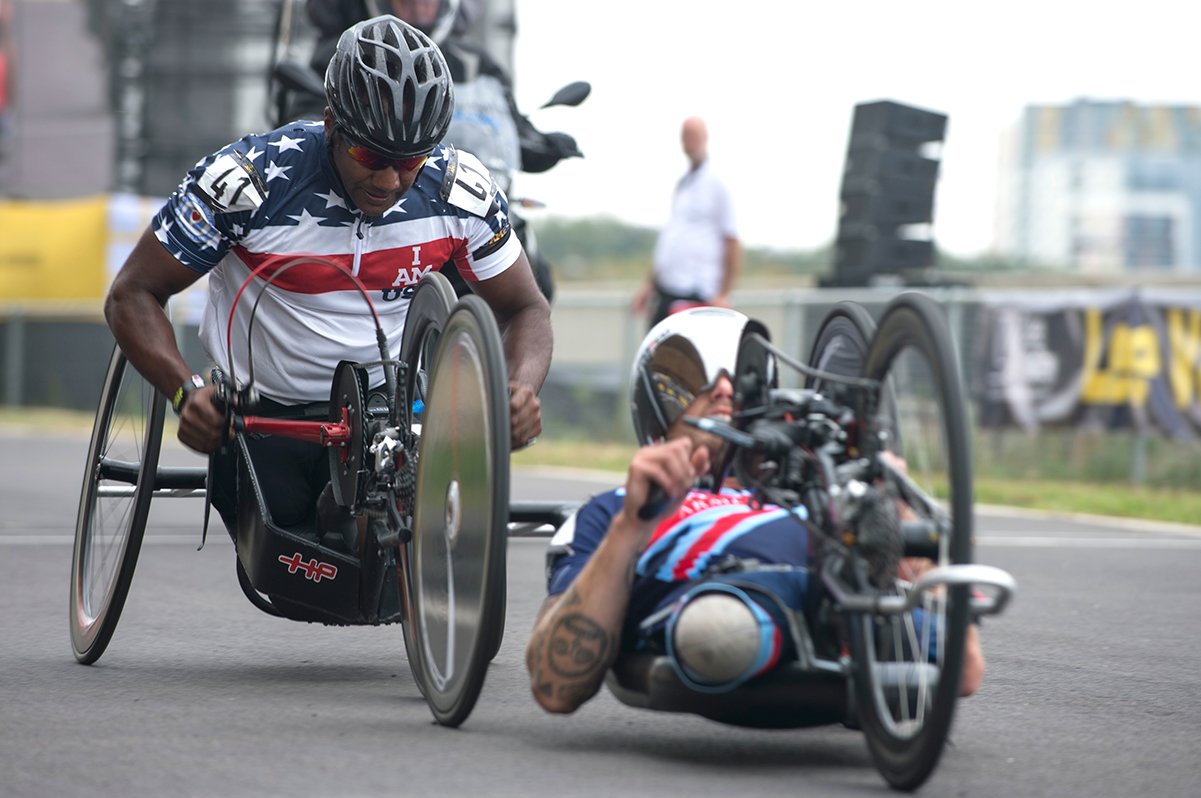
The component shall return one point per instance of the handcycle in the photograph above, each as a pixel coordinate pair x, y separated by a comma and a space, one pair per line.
875, 446
434, 495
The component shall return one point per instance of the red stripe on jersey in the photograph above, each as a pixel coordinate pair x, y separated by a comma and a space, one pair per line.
695, 502
704, 543
398, 267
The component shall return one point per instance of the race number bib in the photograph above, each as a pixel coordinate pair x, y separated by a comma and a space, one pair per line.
468, 184
231, 184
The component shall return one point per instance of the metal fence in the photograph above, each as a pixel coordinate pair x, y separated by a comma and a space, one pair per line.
56, 355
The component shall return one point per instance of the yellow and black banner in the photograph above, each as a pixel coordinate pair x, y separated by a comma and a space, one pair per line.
1114, 359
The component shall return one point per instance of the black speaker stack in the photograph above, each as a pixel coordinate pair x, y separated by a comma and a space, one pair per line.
887, 193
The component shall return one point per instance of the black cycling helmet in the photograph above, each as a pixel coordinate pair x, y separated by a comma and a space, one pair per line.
681, 357
388, 87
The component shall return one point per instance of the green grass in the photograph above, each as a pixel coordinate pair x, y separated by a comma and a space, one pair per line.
1116, 499
40, 418
1122, 501
563, 453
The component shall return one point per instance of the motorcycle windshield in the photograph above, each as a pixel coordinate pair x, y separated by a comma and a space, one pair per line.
483, 125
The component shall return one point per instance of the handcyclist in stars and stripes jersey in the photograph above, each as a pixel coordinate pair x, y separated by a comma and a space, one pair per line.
676, 583
372, 188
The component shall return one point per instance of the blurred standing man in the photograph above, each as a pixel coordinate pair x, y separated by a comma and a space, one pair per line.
697, 256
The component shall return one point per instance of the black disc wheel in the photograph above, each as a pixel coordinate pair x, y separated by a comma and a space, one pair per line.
346, 463
841, 343
454, 567
118, 484
908, 666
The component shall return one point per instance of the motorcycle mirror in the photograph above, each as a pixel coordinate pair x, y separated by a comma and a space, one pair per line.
571, 94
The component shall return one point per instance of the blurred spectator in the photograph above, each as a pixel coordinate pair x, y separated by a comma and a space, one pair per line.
698, 256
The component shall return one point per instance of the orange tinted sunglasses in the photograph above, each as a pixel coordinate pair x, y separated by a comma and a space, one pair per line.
375, 161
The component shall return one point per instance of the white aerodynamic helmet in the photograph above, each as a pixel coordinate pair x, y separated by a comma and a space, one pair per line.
680, 358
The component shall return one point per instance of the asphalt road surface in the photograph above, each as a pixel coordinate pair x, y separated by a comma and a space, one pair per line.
1093, 685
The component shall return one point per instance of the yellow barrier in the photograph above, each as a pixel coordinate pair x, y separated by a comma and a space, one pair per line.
53, 249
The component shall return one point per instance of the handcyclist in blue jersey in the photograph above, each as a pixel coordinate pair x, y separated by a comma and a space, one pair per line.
619, 583
372, 188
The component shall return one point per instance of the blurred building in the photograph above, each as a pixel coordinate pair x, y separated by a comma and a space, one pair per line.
58, 138
1103, 188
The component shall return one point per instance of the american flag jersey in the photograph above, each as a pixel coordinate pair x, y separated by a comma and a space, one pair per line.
706, 528
275, 198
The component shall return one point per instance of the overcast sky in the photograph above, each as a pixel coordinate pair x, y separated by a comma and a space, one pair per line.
778, 81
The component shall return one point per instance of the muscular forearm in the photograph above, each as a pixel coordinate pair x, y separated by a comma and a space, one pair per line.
577, 638
528, 346
146, 336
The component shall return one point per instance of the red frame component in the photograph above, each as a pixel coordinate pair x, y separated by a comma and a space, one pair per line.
325, 433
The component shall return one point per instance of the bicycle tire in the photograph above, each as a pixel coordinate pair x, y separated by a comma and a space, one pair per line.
454, 567
117, 490
841, 344
428, 311
907, 668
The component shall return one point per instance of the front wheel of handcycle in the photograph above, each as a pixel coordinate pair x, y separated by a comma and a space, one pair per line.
840, 346
118, 484
908, 666
454, 566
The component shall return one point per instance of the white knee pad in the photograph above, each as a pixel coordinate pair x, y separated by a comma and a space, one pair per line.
718, 637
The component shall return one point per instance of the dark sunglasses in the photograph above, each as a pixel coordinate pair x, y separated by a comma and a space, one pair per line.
375, 161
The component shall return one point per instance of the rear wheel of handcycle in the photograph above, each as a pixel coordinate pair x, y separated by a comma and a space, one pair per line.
907, 667
118, 484
454, 567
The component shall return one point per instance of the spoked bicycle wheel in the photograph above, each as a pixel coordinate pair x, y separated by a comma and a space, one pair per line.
454, 567
118, 483
908, 666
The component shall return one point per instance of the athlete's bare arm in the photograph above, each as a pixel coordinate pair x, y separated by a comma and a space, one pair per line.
134, 310
524, 317
577, 634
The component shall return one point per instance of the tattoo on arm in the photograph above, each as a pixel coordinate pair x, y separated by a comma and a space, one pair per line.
577, 655
570, 656
578, 646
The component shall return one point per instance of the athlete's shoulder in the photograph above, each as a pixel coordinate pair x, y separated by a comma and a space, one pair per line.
239, 177
466, 182
591, 520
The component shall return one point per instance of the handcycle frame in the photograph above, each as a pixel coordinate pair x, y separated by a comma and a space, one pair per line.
887, 653
427, 520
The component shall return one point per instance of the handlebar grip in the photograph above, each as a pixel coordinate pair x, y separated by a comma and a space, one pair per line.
656, 500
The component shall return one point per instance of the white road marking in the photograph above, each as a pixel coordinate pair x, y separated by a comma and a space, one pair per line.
192, 540
1071, 542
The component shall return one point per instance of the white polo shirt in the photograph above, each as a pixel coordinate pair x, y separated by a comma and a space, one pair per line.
689, 251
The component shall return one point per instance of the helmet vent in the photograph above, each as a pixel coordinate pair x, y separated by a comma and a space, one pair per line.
388, 87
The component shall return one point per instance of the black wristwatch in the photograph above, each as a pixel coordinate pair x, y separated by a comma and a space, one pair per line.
180, 398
